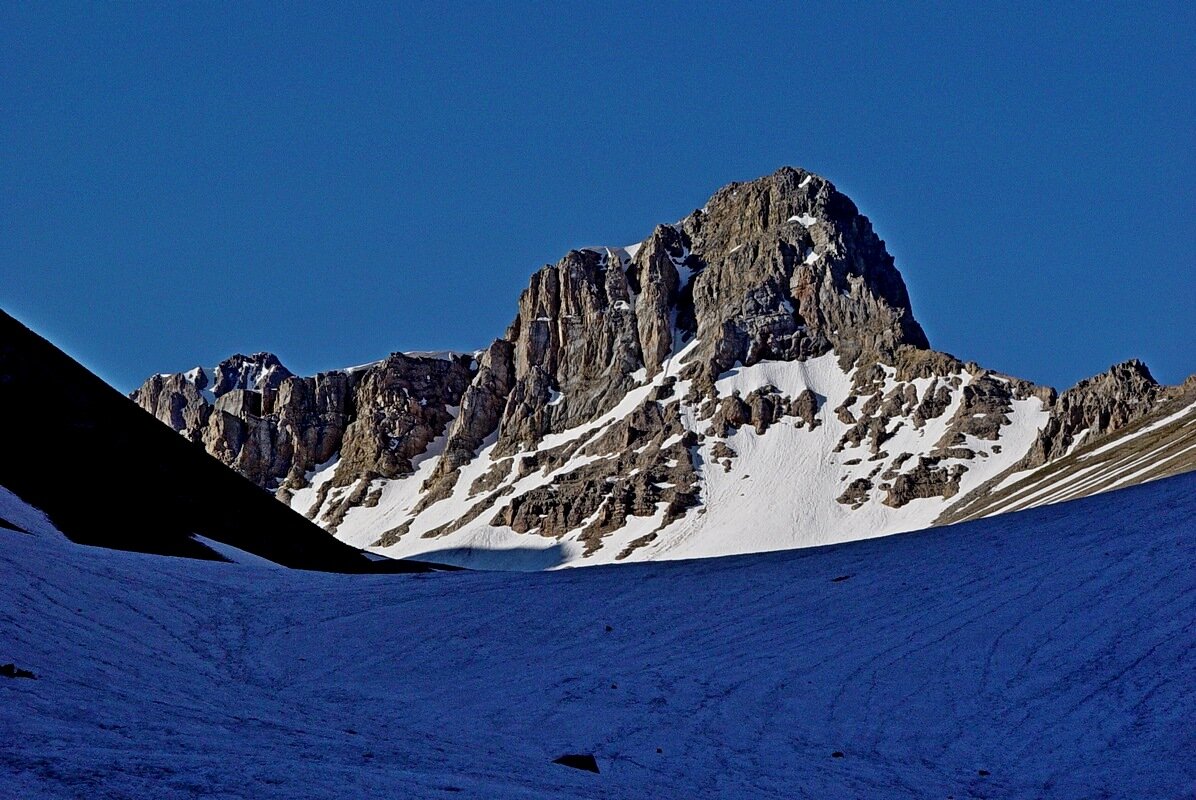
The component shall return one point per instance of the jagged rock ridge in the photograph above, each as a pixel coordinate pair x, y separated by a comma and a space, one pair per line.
756, 365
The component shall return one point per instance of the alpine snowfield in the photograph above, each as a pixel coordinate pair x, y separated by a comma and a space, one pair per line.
1043, 654
777, 494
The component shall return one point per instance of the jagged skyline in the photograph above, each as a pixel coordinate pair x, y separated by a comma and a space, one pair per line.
751, 378
334, 190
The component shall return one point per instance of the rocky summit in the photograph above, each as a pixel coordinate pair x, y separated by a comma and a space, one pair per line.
749, 378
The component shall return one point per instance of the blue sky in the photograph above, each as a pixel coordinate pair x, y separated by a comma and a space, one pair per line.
178, 183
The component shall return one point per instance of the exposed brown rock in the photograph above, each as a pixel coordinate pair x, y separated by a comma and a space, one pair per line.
176, 401
377, 418
805, 407
1100, 405
654, 276
856, 493
783, 267
638, 476
928, 479
791, 269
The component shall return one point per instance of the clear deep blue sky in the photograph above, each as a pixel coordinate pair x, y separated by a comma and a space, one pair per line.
179, 182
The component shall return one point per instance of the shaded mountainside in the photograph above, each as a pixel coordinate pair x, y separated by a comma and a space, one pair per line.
749, 378
1044, 655
106, 474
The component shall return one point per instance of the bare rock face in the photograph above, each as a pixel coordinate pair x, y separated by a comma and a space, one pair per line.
177, 401
783, 267
576, 345
856, 493
1099, 405
985, 408
788, 268
314, 414
640, 474
260, 372
185, 400
275, 427
928, 479
401, 405
625, 394
655, 277
482, 406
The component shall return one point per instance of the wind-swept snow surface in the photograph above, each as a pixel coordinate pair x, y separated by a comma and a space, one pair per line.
1043, 654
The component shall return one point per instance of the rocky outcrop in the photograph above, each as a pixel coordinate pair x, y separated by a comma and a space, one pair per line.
240, 385
576, 346
400, 406
1095, 407
929, 478
640, 473
789, 268
261, 372
275, 428
176, 400
1116, 429
482, 406
655, 278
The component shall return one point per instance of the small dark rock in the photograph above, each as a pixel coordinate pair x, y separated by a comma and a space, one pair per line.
983, 773
609, 629
837, 754
12, 671
582, 761
840, 579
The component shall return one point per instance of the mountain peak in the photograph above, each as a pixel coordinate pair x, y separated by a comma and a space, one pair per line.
1132, 371
258, 372
789, 268
749, 377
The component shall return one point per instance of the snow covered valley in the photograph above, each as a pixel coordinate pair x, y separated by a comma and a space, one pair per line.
1047, 653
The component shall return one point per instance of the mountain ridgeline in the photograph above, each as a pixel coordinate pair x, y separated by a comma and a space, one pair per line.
107, 475
749, 378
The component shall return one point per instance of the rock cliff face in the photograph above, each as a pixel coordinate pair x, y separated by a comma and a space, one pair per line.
788, 268
748, 378
276, 428
1094, 408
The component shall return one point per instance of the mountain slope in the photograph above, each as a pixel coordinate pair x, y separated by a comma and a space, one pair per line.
106, 474
756, 366
1044, 654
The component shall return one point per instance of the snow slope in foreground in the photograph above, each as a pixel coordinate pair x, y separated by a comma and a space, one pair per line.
1052, 649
